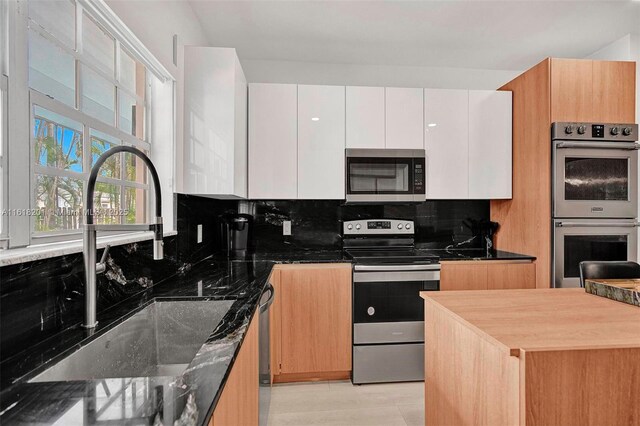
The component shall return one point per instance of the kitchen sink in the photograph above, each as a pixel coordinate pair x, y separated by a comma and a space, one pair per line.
160, 340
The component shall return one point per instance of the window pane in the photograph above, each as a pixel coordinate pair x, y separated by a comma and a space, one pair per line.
58, 141
135, 169
127, 71
100, 143
60, 202
51, 70
131, 114
97, 46
57, 17
98, 96
135, 205
106, 203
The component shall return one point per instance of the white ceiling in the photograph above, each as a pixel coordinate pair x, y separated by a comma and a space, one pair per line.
511, 35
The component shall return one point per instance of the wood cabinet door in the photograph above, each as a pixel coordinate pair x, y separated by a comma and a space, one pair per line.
446, 141
365, 117
503, 276
463, 276
315, 305
490, 147
614, 91
273, 141
321, 142
404, 116
238, 404
572, 90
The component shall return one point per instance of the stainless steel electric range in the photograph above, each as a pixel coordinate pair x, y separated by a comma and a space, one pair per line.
388, 313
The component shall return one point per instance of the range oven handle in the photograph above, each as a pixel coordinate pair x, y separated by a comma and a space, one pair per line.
599, 145
396, 268
596, 225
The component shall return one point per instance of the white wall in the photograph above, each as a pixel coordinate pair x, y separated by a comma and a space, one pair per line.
155, 23
265, 71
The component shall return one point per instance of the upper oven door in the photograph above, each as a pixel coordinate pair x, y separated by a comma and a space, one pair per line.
385, 176
595, 180
577, 240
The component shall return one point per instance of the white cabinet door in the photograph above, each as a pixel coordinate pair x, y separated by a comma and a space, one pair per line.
321, 142
404, 118
365, 117
215, 122
490, 144
273, 141
446, 143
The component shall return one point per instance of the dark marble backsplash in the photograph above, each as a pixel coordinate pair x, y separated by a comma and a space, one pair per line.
318, 224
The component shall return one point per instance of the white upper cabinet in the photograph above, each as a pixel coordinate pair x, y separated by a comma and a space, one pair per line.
404, 118
273, 141
321, 142
215, 123
490, 144
365, 117
446, 143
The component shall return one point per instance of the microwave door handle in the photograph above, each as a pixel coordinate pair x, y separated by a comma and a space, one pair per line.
596, 225
599, 145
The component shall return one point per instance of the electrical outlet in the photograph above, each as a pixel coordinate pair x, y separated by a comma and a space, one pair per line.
199, 233
286, 227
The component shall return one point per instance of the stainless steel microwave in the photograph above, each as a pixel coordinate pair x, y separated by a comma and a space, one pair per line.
385, 175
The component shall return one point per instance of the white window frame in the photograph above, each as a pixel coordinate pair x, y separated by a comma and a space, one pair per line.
20, 230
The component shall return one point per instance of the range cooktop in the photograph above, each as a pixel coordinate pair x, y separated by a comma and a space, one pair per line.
386, 255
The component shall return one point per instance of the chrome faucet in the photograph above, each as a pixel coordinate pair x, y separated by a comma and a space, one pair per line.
91, 268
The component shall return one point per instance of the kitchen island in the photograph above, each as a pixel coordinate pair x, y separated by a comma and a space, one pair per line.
534, 357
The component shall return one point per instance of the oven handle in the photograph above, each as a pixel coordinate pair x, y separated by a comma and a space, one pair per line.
394, 268
596, 145
596, 225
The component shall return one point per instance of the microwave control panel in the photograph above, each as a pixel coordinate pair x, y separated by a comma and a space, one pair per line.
418, 177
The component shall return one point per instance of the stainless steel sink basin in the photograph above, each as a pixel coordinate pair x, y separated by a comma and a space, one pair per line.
160, 340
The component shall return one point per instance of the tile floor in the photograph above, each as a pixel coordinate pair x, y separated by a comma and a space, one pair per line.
341, 403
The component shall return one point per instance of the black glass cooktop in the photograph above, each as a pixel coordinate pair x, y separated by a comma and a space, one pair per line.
404, 255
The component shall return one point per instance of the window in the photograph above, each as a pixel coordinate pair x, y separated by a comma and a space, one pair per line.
87, 95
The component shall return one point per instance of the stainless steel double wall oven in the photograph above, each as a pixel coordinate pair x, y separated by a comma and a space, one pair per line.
594, 196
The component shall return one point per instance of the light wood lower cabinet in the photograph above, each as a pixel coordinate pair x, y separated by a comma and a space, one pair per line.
311, 322
487, 275
238, 404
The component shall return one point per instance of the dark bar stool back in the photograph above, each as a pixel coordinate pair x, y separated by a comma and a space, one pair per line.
613, 270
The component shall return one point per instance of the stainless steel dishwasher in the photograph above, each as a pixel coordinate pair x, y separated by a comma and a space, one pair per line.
265, 359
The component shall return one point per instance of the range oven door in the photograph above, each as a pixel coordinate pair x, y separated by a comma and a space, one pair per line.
578, 240
388, 321
595, 179
381, 175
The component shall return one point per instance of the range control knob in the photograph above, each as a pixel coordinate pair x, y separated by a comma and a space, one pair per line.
568, 129
408, 226
399, 226
358, 227
582, 129
615, 131
349, 227
627, 131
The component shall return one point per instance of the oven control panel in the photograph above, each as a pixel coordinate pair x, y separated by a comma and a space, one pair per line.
378, 227
595, 132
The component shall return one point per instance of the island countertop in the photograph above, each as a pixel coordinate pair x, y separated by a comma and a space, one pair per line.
543, 319
530, 357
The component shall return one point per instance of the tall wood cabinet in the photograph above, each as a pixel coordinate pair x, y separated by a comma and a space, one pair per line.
311, 322
554, 90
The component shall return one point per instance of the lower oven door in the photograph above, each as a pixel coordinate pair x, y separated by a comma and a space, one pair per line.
595, 180
598, 240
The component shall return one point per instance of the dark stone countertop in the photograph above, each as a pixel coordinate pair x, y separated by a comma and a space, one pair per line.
183, 400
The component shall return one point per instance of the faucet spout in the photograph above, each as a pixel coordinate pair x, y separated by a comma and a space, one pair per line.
90, 236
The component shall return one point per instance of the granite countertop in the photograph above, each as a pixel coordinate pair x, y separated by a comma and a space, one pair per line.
183, 400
